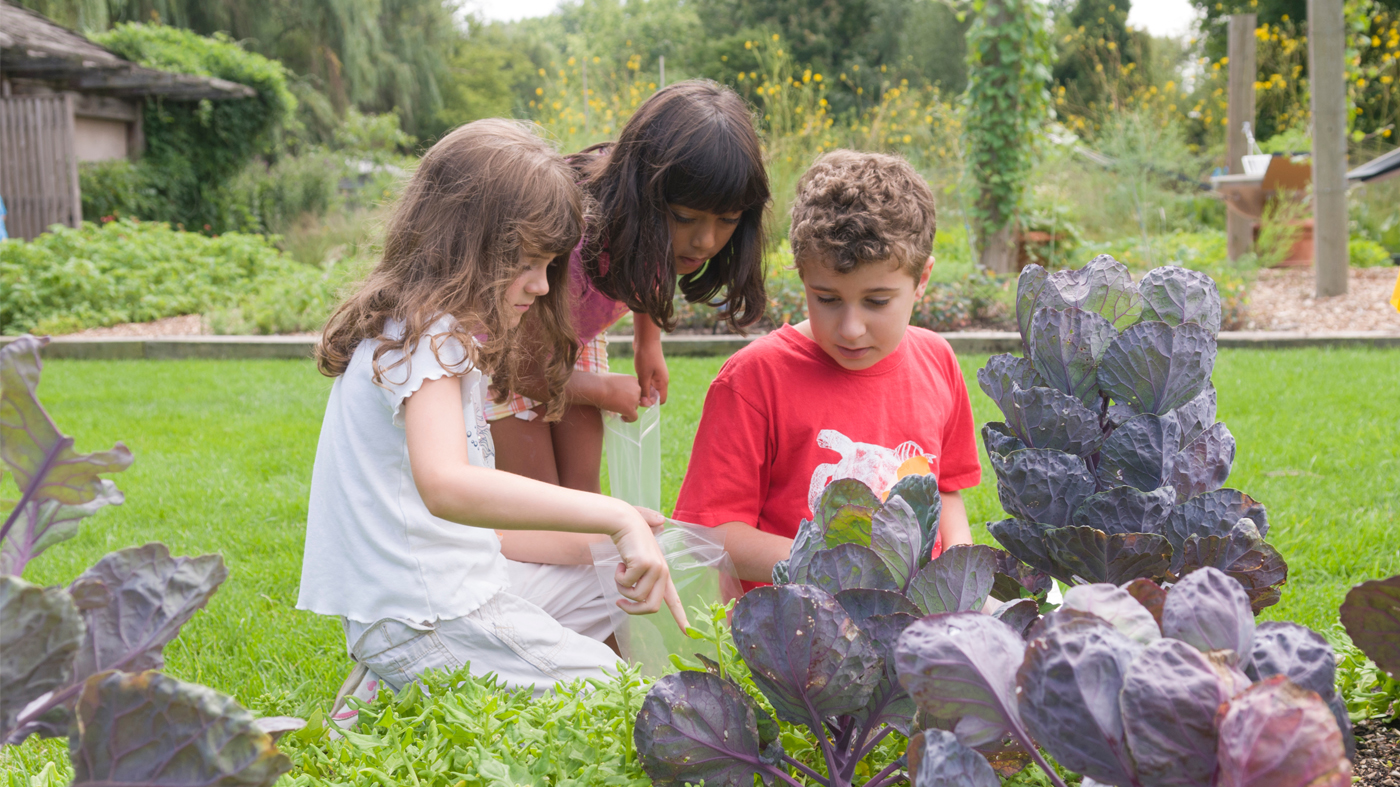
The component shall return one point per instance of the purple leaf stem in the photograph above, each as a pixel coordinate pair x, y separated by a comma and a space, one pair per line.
884, 777
811, 774
36, 481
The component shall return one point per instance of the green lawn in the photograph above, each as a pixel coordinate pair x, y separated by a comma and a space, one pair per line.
223, 463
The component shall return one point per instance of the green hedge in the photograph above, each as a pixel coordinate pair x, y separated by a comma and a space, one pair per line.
129, 271
193, 148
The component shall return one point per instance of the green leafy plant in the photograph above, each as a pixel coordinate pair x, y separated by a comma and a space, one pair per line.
1008, 51
450, 728
193, 148
130, 271
83, 661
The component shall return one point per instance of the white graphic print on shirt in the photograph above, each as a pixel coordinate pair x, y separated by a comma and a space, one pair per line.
875, 466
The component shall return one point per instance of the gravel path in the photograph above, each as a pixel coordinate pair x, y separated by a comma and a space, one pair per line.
1282, 300
188, 325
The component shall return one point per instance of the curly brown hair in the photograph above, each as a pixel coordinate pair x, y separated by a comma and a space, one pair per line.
854, 208
481, 194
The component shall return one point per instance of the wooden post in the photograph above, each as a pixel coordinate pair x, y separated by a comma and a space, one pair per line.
1239, 229
663, 71
1327, 74
585, 93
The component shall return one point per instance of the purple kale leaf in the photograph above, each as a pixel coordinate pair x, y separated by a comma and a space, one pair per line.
1276, 734
41, 631
150, 596
697, 726
147, 728
1371, 615
807, 656
57, 484
1069, 685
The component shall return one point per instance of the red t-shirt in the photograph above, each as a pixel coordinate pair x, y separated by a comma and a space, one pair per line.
783, 419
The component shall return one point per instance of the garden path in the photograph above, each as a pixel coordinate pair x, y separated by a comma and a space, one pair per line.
1282, 300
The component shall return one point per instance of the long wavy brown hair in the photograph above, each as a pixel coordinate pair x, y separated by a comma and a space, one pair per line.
692, 144
483, 193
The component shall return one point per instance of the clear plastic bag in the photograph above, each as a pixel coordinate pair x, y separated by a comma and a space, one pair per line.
703, 574
634, 457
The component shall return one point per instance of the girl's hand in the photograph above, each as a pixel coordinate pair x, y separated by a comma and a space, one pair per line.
648, 360
643, 578
621, 394
652, 374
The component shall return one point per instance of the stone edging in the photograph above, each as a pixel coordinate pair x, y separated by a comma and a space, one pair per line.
966, 342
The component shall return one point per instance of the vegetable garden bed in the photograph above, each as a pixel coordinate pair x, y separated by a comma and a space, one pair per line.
224, 451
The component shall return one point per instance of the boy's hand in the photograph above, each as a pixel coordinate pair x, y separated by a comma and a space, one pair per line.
643, 578
652, 375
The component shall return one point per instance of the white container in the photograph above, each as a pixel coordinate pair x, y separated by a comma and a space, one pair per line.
1256, 164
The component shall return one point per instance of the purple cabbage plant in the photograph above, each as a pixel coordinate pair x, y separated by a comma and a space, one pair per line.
83, 661
1110, 461
1371, 615
1193, 695
818, 644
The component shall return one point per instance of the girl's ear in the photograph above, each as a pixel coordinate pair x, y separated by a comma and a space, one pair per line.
923, 278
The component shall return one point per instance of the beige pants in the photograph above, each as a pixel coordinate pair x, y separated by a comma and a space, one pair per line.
546, 628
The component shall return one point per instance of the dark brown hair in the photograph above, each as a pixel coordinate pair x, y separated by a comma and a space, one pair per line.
854, 208
691, 144
480, 195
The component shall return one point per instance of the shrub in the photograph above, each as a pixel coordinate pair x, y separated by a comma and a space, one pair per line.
1110, 462
193, 148
83, 661
129, 271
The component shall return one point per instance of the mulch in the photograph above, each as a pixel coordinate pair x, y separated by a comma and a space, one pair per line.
1377, 761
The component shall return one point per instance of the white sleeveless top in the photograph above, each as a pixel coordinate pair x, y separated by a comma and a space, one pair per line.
373, 550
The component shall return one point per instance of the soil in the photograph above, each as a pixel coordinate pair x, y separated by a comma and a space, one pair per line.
1377, 761
1282, 300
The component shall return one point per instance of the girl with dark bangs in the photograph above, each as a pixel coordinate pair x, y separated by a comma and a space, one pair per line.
406, 504
680, 199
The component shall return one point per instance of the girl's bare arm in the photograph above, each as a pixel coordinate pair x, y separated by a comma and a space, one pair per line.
454, 489
753, 551
648, 359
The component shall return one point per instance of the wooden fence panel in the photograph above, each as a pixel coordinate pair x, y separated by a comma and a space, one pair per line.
38, 165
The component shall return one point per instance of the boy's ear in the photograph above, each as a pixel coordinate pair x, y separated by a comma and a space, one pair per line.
923, 278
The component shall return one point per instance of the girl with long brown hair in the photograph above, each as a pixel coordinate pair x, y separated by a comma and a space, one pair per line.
406, 506
680, 200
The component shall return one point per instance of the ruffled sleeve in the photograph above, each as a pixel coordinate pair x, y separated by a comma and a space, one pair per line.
402, 381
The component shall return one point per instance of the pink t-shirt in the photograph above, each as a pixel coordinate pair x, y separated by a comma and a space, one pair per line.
593, 312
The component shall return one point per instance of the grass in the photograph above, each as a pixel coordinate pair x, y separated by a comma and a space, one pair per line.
224, 452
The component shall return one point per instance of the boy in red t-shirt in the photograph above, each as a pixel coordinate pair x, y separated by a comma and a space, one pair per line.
851, 392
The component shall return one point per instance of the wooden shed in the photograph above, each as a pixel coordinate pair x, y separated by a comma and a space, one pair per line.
64, 100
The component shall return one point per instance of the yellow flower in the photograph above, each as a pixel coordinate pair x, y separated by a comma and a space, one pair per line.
539, 91
748, 45
1385, 80
817, 77
541, 72
775, 36
571, 61
908, 139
